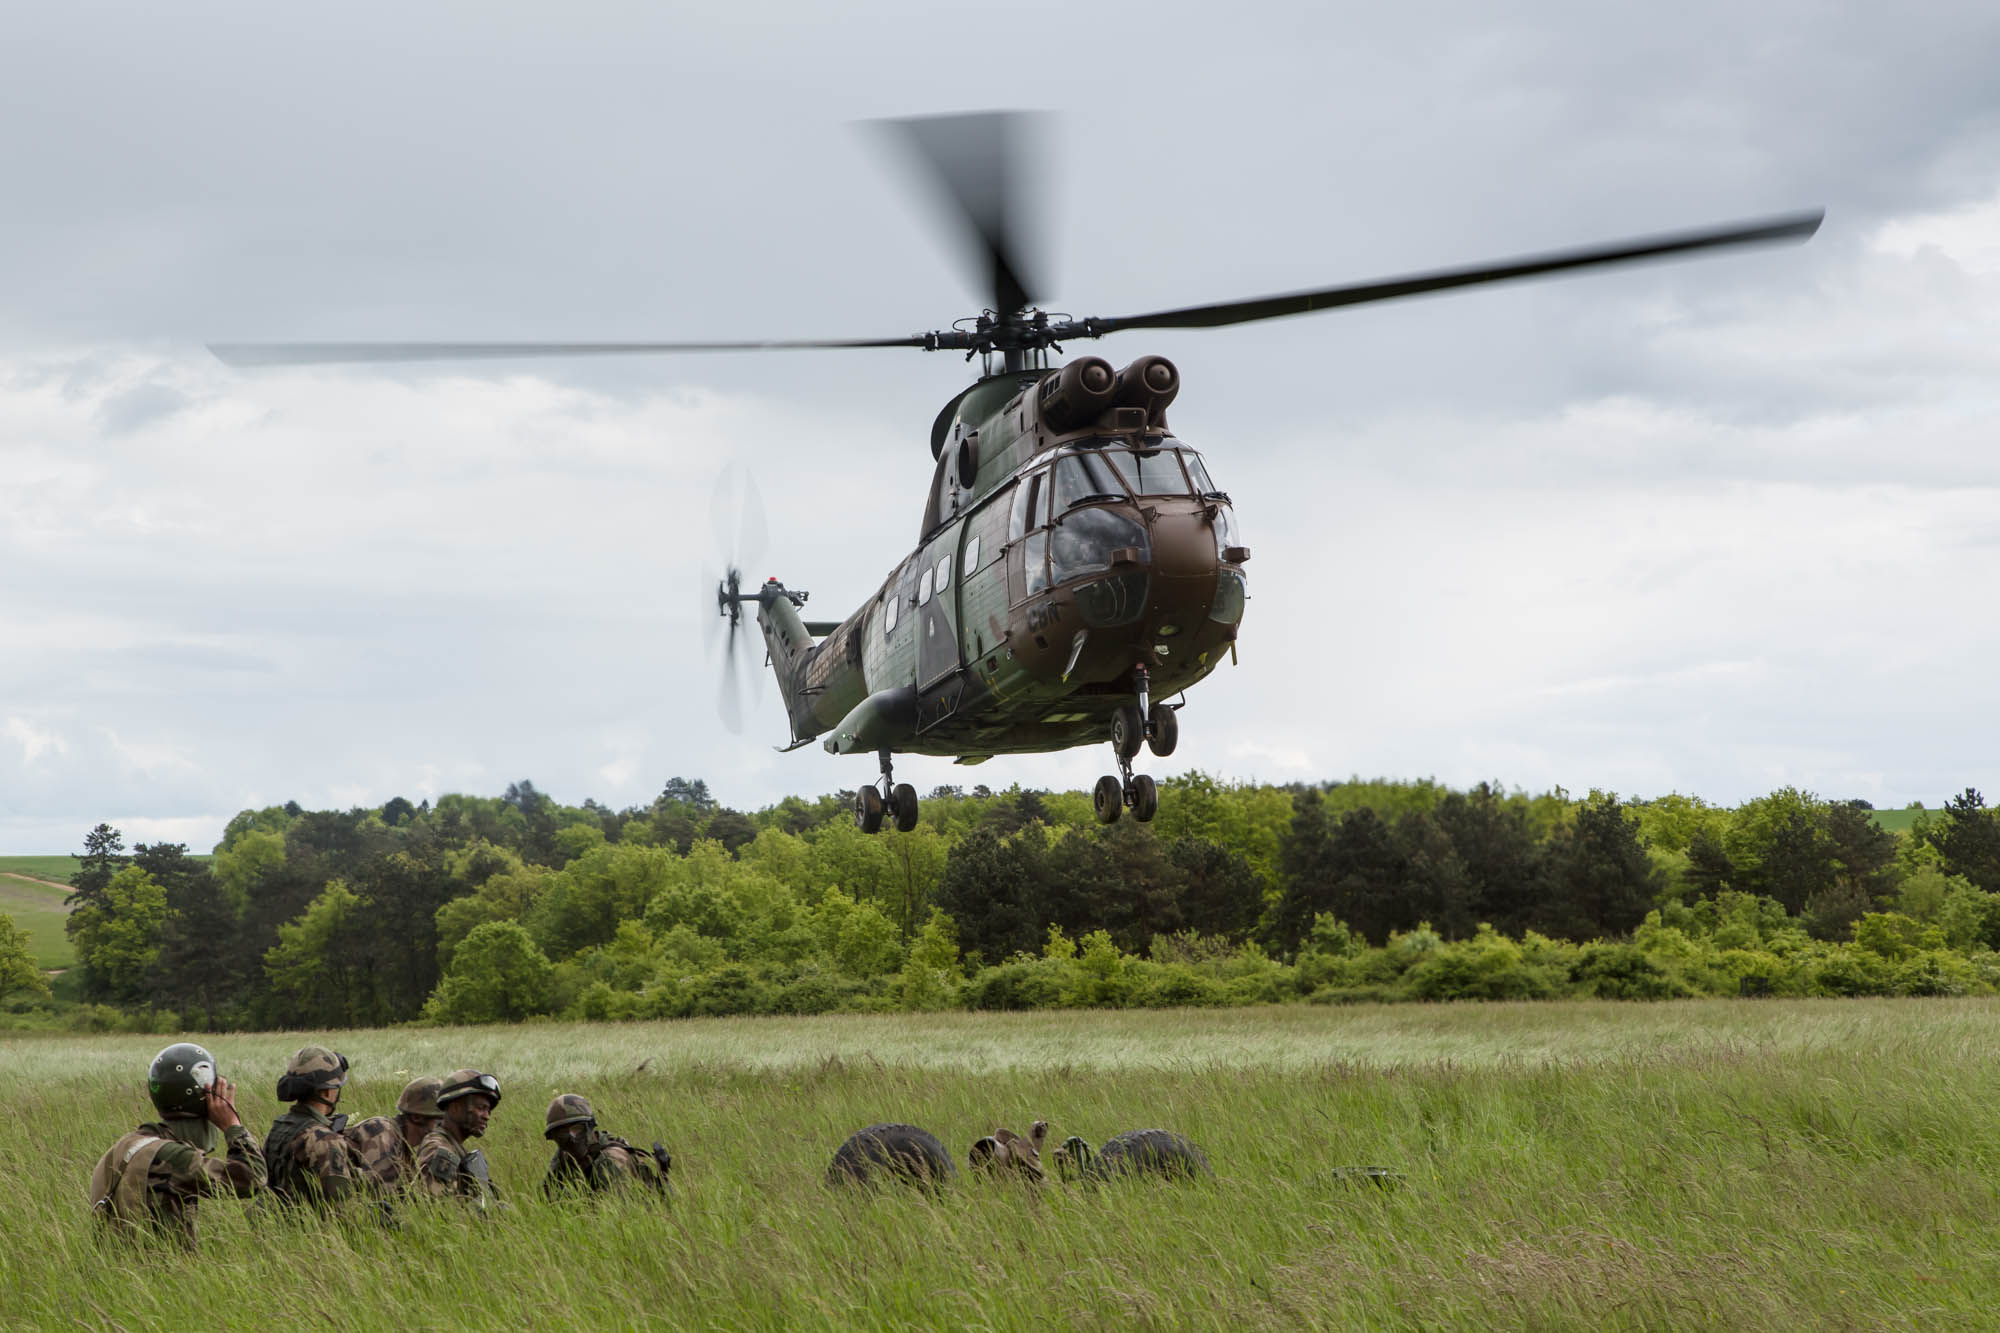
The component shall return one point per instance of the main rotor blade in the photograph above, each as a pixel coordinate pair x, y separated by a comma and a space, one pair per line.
1788, 227
248, 355
976, 161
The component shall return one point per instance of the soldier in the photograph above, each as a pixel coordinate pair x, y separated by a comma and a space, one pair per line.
154, 1177
446, 1169
588, 1158
385, 1147
307, 1156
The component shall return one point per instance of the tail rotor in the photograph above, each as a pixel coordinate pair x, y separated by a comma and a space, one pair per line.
737, 516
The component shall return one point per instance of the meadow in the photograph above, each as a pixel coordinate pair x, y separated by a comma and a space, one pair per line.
37, 906
1713, 1163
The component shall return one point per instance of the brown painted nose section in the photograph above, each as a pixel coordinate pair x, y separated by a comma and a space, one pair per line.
1184, 570
1184, 546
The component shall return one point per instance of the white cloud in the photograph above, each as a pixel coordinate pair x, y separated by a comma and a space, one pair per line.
1968, 237
34, 741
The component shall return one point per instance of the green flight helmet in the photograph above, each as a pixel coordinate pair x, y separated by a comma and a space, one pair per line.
568, 1109
464, 1082
179, 1079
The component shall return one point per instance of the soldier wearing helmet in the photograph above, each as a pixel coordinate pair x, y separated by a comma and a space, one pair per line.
446, 1168
385, 1147
589, 1159
154, 1177
307, 1156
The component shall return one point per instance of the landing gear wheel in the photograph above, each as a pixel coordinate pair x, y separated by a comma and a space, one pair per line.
868, 810
1108, 799
1145, 799
1165, 731
905, 801
1128, 731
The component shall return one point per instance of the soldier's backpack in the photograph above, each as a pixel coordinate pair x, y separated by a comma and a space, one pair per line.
118, 1185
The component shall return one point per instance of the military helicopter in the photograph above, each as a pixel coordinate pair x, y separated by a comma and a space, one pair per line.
1077, 565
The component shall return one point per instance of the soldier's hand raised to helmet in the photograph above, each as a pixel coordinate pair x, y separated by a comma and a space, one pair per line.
222, 1104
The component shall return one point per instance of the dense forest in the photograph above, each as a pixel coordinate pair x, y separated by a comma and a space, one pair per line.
479, 909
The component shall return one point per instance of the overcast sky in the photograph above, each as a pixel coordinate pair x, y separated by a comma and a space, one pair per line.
1713, 527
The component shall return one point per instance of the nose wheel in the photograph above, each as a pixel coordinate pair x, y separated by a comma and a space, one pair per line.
1135, 724
896, 801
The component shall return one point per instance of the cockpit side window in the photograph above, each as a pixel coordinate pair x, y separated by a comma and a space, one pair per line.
1027, 503
1199, 475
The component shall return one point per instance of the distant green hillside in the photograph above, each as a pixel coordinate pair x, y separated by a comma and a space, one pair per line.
1898, 821
37, 908
57, 868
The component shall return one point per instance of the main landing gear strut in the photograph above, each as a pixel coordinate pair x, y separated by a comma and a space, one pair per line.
896, 799
1135, 723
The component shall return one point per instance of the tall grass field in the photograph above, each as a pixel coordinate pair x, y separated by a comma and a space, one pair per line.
1703, 1164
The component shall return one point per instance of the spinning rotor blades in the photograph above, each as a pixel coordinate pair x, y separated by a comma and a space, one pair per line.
977, 162
736, 515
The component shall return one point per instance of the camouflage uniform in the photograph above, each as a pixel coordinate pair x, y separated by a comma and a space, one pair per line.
610, 1163
152, 1179
446, 1168
380, 1152
308, 1158
381, 1149
614, 1164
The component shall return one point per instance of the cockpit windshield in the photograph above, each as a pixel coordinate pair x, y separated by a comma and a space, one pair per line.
1084, 476
1151, 471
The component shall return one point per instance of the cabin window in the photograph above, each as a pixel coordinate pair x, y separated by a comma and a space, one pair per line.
972, 556
924, 589
944, 574
1083, 477
1151, 471
889, 606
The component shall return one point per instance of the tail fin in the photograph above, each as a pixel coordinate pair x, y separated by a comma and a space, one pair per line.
820, 681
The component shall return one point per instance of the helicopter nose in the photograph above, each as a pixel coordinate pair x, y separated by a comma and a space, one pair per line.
1183, 547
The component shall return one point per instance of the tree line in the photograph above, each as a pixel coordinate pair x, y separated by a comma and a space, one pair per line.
477, 909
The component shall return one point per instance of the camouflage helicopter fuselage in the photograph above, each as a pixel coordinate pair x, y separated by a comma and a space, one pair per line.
1074, 554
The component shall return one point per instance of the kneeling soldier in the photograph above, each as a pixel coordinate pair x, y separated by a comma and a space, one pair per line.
307, 1156
446, 1168
155, 1176
588, 1158
385, 1147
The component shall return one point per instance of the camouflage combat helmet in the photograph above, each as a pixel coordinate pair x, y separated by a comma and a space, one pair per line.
464, 1082
421, 1097
179, 1079
313, 1069
568, 1109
